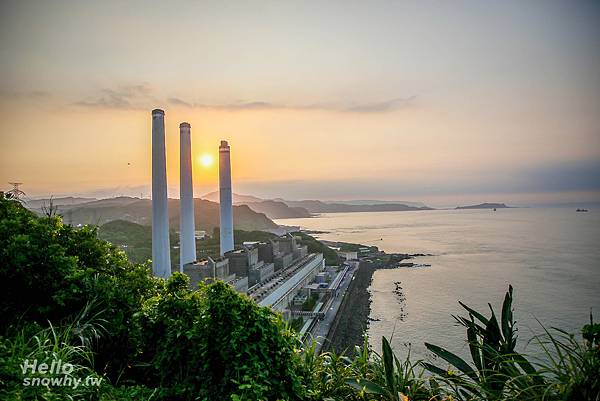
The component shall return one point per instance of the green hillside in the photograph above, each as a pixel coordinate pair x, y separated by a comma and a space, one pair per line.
140, 211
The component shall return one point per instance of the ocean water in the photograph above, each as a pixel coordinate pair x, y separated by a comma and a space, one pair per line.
550, 256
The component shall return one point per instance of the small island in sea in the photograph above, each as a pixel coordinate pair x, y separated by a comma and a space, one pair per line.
485, 206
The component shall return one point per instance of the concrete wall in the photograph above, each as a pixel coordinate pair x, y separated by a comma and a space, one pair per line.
241, 284
265, 251
238, 263
283, 261
260, 273
286, 244
207, 269
300, 252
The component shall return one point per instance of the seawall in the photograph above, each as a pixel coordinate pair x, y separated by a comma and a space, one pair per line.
352, 319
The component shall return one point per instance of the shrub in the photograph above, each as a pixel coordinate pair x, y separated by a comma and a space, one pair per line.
214, 343
50, 271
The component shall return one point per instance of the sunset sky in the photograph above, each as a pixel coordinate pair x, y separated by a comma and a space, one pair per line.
435, 101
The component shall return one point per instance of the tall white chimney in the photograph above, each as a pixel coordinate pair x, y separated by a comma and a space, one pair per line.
187, 240
161, 258
225, 199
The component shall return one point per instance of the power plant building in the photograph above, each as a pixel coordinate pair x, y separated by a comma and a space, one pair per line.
245, 262
278, 273
208, 270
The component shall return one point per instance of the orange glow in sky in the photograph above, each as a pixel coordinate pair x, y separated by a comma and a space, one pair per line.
206, 160
403, 101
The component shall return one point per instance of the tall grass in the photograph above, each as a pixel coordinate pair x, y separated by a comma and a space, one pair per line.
571, 367
68, 343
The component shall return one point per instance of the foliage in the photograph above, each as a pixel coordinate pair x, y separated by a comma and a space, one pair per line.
310, 303
365, 375
571, 368
214, 342
393, 379
591, 332
297, 323
567, 370
498, 368
68, 344
152, 339
51, 271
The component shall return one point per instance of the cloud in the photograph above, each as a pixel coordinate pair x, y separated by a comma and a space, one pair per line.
32, 94
136, 96
372, 107
379, 107
140, 96
178, 102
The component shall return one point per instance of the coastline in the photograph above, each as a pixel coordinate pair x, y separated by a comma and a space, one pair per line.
352, 319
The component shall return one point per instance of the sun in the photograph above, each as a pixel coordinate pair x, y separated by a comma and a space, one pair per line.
206, 160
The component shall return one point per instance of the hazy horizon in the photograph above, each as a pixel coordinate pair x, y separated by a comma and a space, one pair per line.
440, 103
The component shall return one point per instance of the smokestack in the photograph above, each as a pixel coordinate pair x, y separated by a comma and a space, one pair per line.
187, 240
161, 258
225, 199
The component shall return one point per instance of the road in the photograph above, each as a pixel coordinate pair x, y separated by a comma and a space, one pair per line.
321, 329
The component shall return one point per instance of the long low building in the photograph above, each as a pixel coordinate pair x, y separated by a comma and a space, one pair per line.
283, 295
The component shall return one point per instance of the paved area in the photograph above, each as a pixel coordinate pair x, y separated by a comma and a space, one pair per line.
321, 330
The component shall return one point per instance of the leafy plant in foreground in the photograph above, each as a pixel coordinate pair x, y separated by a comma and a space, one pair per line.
391, 378
571, 368
498, 368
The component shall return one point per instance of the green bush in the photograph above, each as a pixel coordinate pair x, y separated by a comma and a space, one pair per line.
214, 343
50, 271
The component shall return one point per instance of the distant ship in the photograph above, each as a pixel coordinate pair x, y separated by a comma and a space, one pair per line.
581, 210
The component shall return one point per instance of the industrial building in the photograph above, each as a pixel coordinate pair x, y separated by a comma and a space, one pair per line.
246, 262
279, 273
208, 269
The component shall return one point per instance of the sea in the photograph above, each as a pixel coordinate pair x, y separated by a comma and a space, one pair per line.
551, 257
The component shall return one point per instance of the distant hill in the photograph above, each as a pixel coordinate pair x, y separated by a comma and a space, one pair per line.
68, 200
316, 206
278, 210
237, 198
377, 202
485, 206
281, 208
273, 209
139, 211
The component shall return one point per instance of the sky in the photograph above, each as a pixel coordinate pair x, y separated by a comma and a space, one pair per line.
443, 102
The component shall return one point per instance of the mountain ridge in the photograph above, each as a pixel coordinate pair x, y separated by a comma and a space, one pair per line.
139, 211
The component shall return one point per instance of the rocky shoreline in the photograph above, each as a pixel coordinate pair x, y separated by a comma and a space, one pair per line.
352, 319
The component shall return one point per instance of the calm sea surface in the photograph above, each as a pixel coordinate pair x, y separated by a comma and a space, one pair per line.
550, 256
